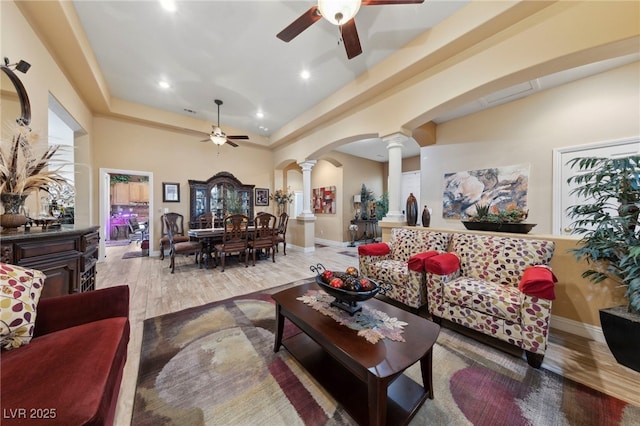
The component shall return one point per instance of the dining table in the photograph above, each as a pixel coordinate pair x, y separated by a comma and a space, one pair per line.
209, 237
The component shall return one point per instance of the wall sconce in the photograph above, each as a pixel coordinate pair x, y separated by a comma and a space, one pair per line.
25, 106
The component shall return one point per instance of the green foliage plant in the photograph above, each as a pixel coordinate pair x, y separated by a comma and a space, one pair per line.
366, 196
233, 203
113, 179
607, 221
382, 205
484, 214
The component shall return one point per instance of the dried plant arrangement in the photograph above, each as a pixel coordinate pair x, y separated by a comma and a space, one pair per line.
23, 169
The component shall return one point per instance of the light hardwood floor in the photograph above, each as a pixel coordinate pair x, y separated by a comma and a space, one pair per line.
154, 291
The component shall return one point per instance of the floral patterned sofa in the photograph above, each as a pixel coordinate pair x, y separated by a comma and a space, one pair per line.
400, 262
491, 284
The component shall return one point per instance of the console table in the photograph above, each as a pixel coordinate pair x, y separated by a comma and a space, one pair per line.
67, 255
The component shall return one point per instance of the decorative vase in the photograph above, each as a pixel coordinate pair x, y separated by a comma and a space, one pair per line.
412, 210
12, 218
426, 217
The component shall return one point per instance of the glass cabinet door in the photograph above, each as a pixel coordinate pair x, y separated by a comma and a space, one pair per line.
217, 201
200, 201
245, 202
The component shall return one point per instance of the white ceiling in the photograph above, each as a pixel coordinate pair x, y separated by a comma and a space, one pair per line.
228, 50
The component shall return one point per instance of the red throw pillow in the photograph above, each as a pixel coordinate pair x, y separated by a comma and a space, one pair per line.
416, 262
442, 264
375, 249
538, 281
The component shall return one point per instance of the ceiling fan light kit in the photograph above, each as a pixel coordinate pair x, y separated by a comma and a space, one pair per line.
340, 13
218, 137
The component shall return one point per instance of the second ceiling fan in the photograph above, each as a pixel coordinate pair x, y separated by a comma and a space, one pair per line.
340, 13
218, 137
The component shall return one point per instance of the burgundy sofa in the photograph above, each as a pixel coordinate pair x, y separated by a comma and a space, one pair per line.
70, 372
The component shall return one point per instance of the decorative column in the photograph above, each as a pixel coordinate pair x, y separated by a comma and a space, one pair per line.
307, 219
306, 184
394, 146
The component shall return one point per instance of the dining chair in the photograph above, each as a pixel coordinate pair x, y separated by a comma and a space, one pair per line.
185, 247
281, 232
264, 236
137, 231
205, 220
234, 238
176, 222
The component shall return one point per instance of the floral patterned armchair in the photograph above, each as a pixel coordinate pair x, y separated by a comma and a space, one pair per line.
400, 262
491, 284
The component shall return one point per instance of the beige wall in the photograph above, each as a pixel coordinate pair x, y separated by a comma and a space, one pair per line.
586, 32
347, 173
44, 77
601, 108
175, 157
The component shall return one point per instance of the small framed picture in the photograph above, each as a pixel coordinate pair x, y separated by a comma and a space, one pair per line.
170, 192
262, 197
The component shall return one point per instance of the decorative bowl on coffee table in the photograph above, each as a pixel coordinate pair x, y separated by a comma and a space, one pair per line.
345, 299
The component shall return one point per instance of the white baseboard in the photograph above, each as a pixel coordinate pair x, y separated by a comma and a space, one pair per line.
581, 329
330, 243
302, 249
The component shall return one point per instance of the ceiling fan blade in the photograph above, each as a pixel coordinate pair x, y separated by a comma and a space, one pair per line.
238, 137
299, 25
206, 140
230, 142
381, 2
350, 39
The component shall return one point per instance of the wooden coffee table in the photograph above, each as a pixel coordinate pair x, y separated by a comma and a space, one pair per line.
365, 378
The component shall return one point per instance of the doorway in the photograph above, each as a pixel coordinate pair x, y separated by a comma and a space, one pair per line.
133, 198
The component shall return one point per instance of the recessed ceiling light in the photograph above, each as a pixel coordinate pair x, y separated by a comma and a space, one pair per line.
168, 5
260, 114
164, 84
305, 75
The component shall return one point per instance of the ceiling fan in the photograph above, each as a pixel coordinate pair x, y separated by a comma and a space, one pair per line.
340, 13
218, 137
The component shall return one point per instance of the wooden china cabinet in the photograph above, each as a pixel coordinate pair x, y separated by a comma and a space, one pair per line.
222, 193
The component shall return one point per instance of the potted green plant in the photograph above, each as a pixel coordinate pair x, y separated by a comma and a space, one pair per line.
366, 197
382, 206
607, 222
499, 220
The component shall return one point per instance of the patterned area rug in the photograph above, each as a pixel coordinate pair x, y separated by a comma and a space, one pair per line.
134, 254
115, 243
215, 365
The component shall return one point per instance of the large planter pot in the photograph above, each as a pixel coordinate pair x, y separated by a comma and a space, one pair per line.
621, 330
12, 218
